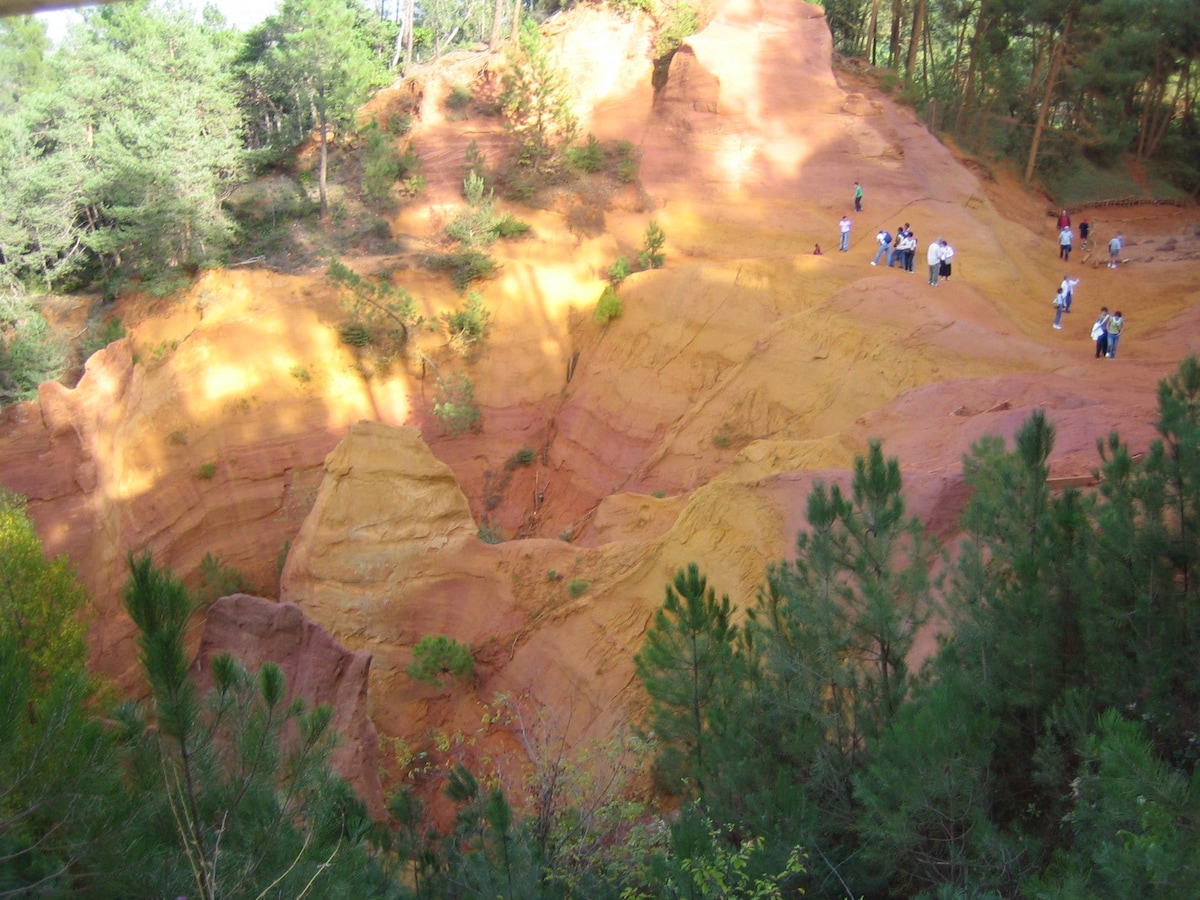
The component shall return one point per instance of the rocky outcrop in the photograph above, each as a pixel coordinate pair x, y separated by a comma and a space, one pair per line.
319, 670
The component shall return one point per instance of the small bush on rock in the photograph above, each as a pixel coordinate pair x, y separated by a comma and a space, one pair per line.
437, 658
652, 256
609, 307
454, 404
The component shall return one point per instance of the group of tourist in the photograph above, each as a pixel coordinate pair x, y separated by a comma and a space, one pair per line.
1106, 330
902, 248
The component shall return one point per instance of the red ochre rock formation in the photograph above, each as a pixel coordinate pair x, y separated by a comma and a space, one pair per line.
318, 669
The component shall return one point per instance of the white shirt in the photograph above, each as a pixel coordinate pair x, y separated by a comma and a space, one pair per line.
1068, 284
947, 253
844, 225
934, 255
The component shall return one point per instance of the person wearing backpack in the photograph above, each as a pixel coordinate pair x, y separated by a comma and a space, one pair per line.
885, 246
1115, 326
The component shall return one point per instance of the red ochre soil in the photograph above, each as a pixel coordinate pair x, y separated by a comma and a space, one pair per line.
689, 429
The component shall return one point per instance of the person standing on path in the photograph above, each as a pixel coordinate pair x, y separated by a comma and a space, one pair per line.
1065, 239
885, 246
910, 252
947, 256
844, 227
857, 197
1115, 326
1060, 306
1064, 220
1114, 249
1100, 332
898, 246
1068, 289
934, 258
1085, 229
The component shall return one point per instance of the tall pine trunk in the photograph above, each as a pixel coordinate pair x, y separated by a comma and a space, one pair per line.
1057, 54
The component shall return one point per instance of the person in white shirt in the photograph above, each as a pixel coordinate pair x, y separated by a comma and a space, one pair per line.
947, 255
1066, 238
1068, 288
844, 227
934, 257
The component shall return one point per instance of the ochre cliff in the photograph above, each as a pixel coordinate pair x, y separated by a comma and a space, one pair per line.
689, 429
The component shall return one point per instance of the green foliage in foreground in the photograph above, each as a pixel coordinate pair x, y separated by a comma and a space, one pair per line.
224, 792
1046, 750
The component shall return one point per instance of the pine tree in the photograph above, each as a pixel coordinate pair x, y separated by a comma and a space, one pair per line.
688, 668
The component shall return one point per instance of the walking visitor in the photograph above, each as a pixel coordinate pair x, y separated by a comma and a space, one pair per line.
1115, 325
1065, 238
1114, 249
1100, 332
844, 228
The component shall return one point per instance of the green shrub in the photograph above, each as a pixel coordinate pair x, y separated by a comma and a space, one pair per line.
628, 162
437, 657
99, 337
577, 587
206, 471
400, 124
465, 266
536, 100
354, 333
676, 22
467, 326
31, 356
609, 306
659, 494
382, 165
620, 270
459, 98
454, 404
480, 224
474, 162
508, 226
217, 580
651, 256
380, 313
490, 534
522, 458
588, 158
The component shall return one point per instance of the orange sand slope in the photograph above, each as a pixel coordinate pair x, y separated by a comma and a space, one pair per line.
689, 429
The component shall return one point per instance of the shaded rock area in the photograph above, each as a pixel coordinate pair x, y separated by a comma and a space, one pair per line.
234, 422
318, 669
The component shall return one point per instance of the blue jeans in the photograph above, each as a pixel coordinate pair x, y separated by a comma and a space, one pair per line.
1113, 339
845, 241
1058, 311
883, 251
